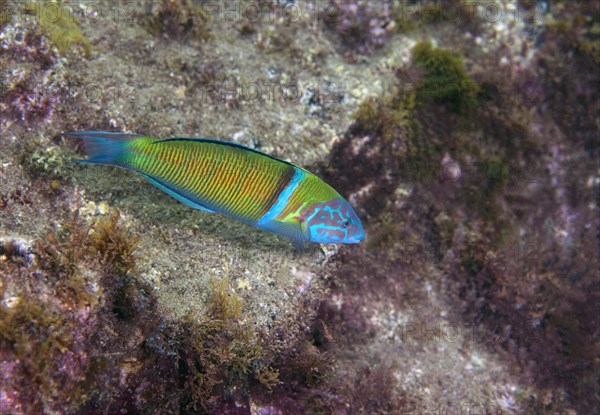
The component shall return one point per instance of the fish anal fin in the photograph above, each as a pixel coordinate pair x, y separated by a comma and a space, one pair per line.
174, 194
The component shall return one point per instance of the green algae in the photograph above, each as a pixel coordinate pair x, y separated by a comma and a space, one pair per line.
445, 80
4, 15
49, 161
58, 23
405, 25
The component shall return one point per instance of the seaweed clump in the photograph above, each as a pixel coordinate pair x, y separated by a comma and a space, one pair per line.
433, 128
220, 352
58, 23
48, 162
382, 127
69, 294
178, 19
403, 136
75, 313
444, 80
37, 351
515, 231
114, 247
45, 329
32, 86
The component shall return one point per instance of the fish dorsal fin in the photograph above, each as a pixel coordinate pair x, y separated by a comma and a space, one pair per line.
230, 144
103, 135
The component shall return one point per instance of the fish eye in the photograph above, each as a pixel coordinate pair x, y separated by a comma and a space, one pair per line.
346, 222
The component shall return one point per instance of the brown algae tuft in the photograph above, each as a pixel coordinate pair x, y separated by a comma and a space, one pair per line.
179, 19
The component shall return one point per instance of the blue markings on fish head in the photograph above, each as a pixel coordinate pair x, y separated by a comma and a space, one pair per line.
333, 222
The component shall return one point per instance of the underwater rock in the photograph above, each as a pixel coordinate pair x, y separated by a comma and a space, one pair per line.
361, 25
474, 291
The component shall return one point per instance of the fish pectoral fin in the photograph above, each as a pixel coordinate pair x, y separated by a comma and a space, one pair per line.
173, 193
292, 230
298, 244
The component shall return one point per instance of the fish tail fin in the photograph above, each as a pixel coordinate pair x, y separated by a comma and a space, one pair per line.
104, 147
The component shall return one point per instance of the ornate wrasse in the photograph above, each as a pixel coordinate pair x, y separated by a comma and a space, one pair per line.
239, 182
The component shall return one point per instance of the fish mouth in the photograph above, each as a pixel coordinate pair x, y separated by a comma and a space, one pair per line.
355, 238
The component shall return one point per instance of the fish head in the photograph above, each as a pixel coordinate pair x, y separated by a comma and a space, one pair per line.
333, 222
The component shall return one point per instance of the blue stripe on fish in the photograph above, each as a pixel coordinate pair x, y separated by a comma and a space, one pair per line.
282, 199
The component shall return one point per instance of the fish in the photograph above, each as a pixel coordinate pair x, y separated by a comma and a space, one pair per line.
234, 180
